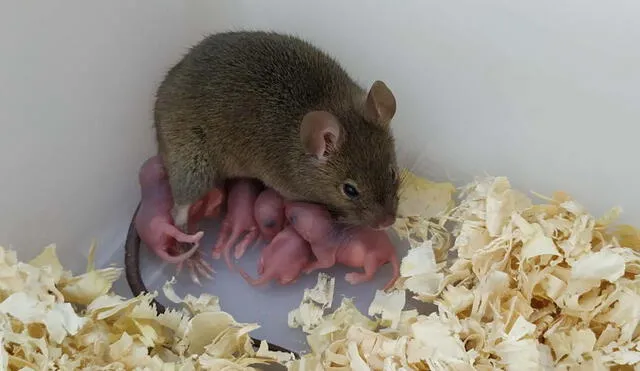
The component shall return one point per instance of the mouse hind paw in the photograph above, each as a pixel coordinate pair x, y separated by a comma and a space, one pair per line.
355, 278
198, 267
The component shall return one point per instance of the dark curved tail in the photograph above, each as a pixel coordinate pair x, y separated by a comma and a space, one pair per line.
132, 263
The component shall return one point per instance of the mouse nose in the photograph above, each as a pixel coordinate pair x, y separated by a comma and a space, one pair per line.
386, 222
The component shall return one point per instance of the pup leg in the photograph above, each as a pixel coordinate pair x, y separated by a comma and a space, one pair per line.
249, 238
181, 237
370, 268
240, 219
229, 235
232, 228
323, 261
396, 271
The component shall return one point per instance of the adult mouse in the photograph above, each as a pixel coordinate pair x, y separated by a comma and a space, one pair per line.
276, 108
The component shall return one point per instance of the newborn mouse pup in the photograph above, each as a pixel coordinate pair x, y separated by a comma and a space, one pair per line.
153, 220
283, 259
239, 219
269, 214
155, 226
314, 224
369, 249
358, 247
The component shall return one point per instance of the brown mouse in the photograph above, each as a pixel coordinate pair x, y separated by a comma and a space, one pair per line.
275, 108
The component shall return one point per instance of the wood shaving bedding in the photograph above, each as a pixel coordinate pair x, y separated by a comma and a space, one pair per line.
533, 287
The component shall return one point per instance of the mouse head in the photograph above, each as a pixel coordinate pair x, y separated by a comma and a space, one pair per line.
311, 221
353, 158
152, 171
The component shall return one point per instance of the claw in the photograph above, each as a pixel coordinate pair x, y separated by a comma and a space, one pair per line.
203, 270
206, 269
194, 276
197, 267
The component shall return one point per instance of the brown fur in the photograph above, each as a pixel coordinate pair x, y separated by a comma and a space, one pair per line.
232, 107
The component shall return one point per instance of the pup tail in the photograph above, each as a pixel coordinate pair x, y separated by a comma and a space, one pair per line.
263, 279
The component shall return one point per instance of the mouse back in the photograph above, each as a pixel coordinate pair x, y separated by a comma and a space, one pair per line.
276, 108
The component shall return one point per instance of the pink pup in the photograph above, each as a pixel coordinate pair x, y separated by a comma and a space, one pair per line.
360, 247
269, 214
153, 220
239, 219
283, 259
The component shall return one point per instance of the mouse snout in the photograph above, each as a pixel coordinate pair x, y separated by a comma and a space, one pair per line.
386, 213
385, 222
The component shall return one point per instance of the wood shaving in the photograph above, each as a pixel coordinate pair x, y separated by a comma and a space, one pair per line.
52, 320
531, 287
313, 305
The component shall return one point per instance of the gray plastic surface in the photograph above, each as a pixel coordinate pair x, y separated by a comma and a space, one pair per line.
267, 305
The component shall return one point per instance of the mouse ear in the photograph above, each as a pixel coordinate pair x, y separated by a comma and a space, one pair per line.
380, 105
319, 133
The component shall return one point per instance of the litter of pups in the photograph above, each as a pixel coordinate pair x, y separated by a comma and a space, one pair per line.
302, 237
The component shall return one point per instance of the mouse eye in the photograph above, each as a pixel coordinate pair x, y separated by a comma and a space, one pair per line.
350, 190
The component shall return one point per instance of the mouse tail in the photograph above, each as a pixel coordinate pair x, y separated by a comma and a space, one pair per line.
132, 263
252, 281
